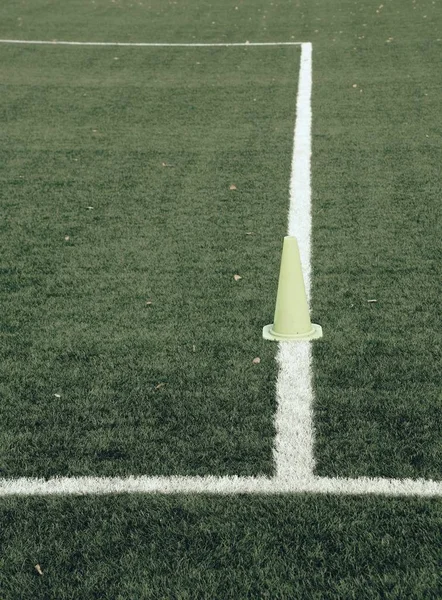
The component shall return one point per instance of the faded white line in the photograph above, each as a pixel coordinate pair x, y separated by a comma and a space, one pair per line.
150, 44
293, 447
76, 486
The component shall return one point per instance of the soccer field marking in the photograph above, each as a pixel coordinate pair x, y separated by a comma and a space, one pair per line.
293, 449
151, 44
293, 446
79, 486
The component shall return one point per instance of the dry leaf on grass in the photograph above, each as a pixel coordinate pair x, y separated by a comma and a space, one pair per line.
256, 360
38, 569
149, 302
159, 386
237, 277
233, 187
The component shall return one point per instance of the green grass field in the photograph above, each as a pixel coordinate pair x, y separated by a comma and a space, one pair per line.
126, 344
92, 170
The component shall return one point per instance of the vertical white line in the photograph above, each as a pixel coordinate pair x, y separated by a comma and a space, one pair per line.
300, 189
293, 450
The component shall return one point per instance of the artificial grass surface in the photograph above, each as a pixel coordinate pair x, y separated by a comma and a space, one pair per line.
374, 237
376, 198
306, 547
116, 187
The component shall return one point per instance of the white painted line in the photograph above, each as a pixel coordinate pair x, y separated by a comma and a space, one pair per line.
74, 486
300, 222
150, 44
293, 448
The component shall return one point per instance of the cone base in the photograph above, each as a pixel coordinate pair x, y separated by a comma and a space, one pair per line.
269, 334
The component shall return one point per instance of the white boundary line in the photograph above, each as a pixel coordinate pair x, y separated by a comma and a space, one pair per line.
78, 486
294, 418
150, 44
293, 450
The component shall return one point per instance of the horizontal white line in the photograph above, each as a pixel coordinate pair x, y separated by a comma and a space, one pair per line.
219, 485
149, 44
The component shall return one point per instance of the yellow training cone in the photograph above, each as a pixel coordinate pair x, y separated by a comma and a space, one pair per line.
292, 319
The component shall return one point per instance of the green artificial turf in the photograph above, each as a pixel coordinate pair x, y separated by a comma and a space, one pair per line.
128, 345
375, 169
84, 129
377, 238
162, 547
